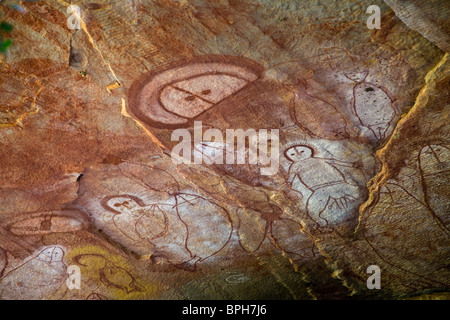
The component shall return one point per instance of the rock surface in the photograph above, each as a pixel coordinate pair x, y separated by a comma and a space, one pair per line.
352, 167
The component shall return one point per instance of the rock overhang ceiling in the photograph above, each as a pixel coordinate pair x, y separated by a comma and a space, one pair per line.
357, 119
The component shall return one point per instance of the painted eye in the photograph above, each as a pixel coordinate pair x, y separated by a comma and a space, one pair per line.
174, 97
126, 202
190, 98
117, 204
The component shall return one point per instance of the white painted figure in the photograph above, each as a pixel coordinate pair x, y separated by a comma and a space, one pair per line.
36, 278
372, 105
329, 195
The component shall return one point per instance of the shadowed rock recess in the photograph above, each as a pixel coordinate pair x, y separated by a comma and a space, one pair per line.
356, 119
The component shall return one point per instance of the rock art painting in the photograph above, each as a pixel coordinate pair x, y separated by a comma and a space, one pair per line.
416, 186
373, 106
96, 296
3, 261
332, 124
40, 276
328, 194
107, 274
161, 230
284, 233
434, 169
174, 227
179, 94
223, 150
48, 222
165, 226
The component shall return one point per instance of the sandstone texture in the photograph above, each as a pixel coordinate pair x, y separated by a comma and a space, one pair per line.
352, 168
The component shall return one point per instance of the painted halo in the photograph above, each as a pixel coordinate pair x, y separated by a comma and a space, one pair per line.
174, 96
